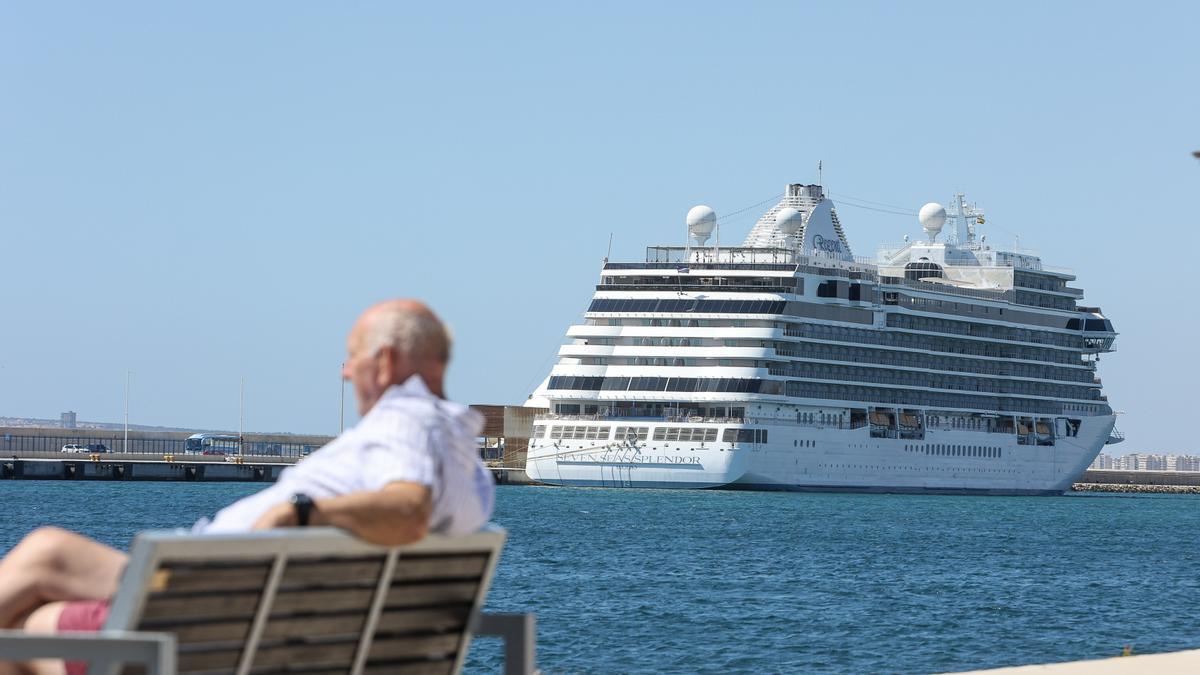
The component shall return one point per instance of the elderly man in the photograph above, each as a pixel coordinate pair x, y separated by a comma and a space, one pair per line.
409, 467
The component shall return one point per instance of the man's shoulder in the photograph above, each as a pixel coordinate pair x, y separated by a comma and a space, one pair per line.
409, 413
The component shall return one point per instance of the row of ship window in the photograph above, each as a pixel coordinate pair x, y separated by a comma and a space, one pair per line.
795, 388
931, 343
923, 304
918, 399
676, 306
835, 353
828, 371
678, 384
1008, 334
1004, 333
567, 432
948, 450
1039, 281
929, 361
1043, 300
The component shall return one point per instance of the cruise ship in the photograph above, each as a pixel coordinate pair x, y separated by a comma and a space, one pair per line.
787, 363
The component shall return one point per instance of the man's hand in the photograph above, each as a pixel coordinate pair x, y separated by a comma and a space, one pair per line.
280, 515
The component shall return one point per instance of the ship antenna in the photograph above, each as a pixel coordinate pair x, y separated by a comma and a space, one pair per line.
820, 181
609, 254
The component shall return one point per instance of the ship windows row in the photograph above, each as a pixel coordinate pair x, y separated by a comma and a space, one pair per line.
632, 433
983, 330
679, 384
675, 306
744, 436
932, 343
915, 398
929, 361
846, 291
583, 432
689, 434
951, 450
914, 378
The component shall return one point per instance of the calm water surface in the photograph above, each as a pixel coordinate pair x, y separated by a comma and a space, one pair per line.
687, 581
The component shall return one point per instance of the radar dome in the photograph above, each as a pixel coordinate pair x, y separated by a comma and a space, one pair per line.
788, 220
701, 221
932, 217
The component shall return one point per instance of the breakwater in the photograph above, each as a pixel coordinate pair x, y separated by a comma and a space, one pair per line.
1150, 482
1138, 489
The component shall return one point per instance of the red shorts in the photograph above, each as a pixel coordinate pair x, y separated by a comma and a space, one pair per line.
84, 615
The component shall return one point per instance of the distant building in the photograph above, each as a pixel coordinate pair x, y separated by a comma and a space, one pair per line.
1187, 463
1145, 462
67, 419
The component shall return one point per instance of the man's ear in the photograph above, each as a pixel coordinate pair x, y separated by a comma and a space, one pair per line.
387, 368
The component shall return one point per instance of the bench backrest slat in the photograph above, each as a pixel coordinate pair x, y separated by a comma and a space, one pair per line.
265, 602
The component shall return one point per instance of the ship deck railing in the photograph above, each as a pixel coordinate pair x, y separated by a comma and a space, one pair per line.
611, 417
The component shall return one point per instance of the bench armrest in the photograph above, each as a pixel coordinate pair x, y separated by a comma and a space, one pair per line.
519, 632
105, 648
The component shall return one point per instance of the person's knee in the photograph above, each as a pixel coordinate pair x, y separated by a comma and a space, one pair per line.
41, 547
44, 619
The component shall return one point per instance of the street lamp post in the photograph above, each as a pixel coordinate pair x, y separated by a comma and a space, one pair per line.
125, 448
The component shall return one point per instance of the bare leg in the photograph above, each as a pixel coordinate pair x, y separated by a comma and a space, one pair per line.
51, 564
43, 620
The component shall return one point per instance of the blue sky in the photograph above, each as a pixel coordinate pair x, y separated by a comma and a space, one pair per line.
204, 192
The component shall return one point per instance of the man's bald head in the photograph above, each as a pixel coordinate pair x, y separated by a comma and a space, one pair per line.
409, 327
392, 341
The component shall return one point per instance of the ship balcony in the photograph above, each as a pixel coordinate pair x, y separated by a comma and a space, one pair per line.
668, 352
589, 331
579, 370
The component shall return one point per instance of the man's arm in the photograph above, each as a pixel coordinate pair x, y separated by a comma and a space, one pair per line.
398, 513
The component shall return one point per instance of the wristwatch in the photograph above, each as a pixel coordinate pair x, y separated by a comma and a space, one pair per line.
303, 505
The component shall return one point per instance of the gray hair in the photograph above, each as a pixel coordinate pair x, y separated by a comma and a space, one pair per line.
415, 334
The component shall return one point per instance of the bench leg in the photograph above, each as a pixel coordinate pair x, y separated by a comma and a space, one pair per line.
519, 632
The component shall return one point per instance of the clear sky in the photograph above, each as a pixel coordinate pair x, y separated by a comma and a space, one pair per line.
206, 191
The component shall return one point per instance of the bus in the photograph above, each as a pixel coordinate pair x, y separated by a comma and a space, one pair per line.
213, 444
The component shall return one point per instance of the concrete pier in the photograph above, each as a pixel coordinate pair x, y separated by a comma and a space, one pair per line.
86, 468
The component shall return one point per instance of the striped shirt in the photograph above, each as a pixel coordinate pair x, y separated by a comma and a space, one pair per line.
409, 435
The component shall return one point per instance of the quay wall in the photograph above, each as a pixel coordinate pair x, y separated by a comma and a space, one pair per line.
138, 470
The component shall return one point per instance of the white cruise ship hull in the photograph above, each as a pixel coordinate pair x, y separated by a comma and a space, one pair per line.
815, 458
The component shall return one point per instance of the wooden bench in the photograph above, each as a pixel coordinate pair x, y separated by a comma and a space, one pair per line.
313, 600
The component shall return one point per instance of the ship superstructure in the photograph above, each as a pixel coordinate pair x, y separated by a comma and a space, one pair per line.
787, 363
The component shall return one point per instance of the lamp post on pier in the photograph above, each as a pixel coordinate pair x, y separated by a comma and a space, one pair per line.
125, 447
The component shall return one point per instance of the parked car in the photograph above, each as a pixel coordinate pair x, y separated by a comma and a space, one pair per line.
74, 447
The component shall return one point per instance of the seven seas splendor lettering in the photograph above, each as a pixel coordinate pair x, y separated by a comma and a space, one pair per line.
625, 458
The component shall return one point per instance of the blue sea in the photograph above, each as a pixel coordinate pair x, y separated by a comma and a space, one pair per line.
714, 581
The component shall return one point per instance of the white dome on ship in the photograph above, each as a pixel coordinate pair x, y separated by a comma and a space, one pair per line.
932, 217
701, 221
789, 220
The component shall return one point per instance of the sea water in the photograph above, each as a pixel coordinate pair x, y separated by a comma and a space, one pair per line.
720, 581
